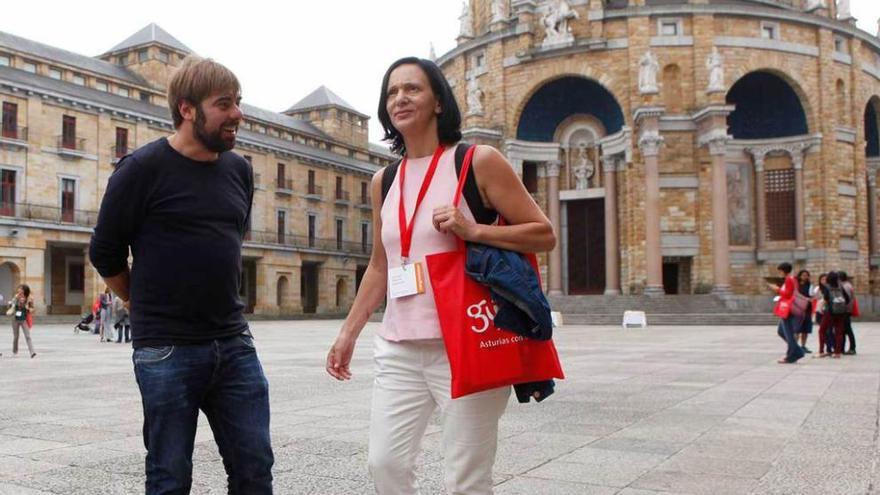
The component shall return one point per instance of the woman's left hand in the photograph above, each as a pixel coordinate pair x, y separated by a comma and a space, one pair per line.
449, 219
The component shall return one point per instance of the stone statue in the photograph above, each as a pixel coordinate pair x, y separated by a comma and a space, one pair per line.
555, 21
843, 10
812, 5
715, 64
474, 97
467, 22
584, 169
499, 10
648, 67
432, 54
878, 28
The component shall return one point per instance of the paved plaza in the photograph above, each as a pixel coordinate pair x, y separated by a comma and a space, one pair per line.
695, 410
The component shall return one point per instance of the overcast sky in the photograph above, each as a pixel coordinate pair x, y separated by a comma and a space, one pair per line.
281, 51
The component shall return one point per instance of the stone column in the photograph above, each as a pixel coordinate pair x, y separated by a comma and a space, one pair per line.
649, 144
612, 257
555, 259
797, 159
720, 232
760, 203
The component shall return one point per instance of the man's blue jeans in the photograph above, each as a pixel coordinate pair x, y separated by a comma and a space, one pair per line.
225, 380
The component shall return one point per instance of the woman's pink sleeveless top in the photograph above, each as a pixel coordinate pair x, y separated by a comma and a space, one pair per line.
415, 317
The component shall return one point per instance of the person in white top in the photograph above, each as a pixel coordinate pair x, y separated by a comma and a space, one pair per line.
422, 121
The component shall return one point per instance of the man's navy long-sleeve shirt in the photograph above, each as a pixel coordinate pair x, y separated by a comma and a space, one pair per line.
184, 221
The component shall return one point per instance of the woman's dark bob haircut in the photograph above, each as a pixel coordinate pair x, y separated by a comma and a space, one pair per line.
784, 267
449, 118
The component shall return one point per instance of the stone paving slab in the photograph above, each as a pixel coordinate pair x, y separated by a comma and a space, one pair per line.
657, 411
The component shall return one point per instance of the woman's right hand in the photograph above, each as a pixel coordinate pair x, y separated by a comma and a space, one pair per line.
339, 357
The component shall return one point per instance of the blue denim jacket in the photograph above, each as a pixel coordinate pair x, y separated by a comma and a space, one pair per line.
522, 307
513, 283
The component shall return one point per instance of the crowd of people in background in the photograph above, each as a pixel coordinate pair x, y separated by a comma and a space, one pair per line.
109, 317
830, 303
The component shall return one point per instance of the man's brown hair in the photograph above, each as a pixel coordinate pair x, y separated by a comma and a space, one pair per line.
196, 79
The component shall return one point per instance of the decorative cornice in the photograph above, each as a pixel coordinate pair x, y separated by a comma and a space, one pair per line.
618, 143
793, 148
648, 112
712, 111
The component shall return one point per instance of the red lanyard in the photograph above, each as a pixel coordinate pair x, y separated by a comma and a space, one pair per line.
406, 230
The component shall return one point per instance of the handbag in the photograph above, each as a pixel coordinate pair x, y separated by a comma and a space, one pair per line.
11, 310
783, 308
800, 305
481, 355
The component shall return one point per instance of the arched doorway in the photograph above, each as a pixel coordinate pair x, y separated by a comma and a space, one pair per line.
10, 277
341, 288
576, 113
282, 292
872, 161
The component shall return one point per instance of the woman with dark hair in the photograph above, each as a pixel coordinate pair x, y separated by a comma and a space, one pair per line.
21, 306
412, 376
849, 335
826, 340
788, 323
806, 327
836, 303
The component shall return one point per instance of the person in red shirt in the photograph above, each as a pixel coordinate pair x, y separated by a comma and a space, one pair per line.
788, 323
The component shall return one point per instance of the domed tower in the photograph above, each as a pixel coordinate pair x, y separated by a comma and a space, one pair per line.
681, 146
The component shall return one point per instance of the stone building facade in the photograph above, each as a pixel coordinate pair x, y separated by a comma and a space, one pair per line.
68, 118
682, 146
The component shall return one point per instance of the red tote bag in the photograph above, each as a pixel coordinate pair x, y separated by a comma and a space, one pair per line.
481, 355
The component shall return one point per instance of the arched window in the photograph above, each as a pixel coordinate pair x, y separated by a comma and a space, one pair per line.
842, 107
766, 107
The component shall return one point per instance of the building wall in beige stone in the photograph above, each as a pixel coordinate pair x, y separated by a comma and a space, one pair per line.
616, 29
812, 79
678, 213
678, 154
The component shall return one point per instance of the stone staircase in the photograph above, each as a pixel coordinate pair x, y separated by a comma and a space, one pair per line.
661, 310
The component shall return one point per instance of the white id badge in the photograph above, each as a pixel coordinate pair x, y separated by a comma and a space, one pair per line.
406, 280
18, 314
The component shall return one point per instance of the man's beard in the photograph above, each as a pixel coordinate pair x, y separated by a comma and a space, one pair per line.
214, 140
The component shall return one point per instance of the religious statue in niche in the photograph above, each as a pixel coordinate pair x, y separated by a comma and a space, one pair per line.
467, 23
648, 67
474, 97
715, 64
499, 10
812, 5
584, 169
843, 10
555, 21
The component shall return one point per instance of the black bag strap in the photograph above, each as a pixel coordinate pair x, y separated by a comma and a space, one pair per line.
471, 191
388, 178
